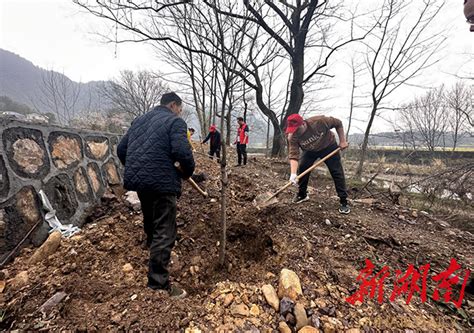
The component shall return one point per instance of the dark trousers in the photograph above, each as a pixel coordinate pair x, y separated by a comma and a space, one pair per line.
215, 151
159, 222
335, 168
241, 152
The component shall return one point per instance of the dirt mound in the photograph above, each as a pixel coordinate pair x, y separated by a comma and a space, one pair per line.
103, 269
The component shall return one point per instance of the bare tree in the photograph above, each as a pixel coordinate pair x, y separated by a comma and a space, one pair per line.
278, 29
134, 93
398, 50
428, 117
59, 95
459, 102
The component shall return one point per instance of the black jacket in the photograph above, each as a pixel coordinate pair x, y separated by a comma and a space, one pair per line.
153, 143
215, 138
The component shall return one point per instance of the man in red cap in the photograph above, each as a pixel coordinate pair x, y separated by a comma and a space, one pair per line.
215, 142
315, 138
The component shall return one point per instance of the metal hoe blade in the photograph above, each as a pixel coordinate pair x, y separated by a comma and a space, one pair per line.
265, 199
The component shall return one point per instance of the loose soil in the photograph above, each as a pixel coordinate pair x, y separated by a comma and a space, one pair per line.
327, 250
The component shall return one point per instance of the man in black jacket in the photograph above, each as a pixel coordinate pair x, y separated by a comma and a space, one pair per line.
149, 151
215, 143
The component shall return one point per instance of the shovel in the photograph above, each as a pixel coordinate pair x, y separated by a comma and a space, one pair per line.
192, 182
268, 198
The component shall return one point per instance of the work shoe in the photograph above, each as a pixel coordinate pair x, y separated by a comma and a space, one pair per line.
344, 209
176, 292
300, 198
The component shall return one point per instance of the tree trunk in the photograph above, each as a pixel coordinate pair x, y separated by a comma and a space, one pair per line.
224, 183
363, 151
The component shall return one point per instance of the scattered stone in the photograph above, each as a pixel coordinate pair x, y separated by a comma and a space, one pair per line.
308, 329
51, 303
20, 280
134, 297
213, 200
49, 247
327, 222
289, 285
68, 268
414, 214
131, 198
290, 319
240, 310
116, 318
270, 275
300, 314
127, 268
286, 306
192, 330
283, 327
255, 310
329, 328
315, 321
271, 296
229, 298
353, 330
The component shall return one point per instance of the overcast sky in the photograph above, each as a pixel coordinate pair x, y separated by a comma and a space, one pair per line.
54, 34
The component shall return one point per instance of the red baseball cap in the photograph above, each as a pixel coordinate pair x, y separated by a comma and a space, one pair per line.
212, 128
293, 122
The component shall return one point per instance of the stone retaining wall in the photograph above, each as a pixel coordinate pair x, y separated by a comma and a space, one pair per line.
73, 167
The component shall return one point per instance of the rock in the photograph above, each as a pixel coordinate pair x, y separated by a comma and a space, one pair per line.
255, 310
116, 318
229, 298
134, 297
329, 328
353, 330
414, 214
20, 280
320, 303
127, 268
49, 247
192, 330
308, 329
327, 222
270, 275
300, 314
289, 285
283, 327
290, 319
131, 198
315, 321
286, 306
240, 310
51, 303
271, 296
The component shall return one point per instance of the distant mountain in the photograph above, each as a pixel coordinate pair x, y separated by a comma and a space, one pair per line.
400, 139
21, 81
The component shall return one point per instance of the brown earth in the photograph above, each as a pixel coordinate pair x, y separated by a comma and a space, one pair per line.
102, 294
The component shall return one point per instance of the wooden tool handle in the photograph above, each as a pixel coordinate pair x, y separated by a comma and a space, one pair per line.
311, 168
191, 181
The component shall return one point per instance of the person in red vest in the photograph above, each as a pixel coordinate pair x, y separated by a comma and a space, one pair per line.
241, 141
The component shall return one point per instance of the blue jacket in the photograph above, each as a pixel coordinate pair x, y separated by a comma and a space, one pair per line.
153, 143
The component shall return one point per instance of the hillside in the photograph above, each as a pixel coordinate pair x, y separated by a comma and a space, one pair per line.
21, 80
101, 273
